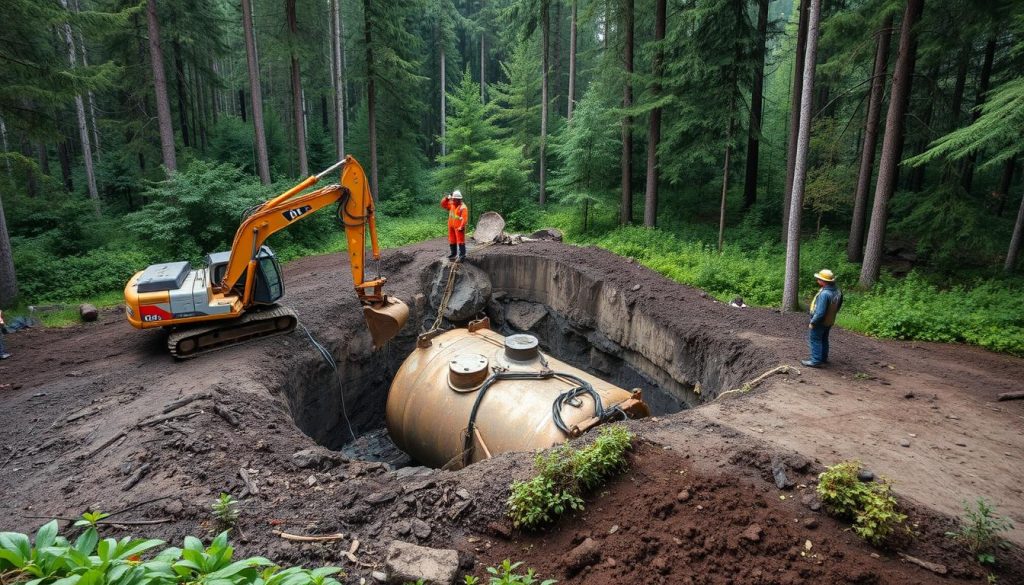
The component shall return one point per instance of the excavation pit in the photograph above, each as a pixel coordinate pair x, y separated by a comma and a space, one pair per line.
596, 328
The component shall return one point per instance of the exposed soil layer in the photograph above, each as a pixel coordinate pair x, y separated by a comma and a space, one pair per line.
93, 417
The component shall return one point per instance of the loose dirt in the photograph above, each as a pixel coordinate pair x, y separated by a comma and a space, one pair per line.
90, 420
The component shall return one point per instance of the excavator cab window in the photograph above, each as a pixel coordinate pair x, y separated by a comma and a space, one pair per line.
269, 287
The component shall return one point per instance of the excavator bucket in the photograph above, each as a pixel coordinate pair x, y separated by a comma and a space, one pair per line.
385, 320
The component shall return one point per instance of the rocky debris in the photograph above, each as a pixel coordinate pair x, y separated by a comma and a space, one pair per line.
661, 565
810, 523
470, 292
752, 533
547, 234
782, 480
379, 497
316, 458
683, 496
379, 576
811, 501
524, 316
410, 563
420, 529
489, 227
866, 475
89, 313
499, 530
904, 442
587, 553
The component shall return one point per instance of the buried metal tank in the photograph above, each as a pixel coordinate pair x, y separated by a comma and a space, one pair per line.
468, 394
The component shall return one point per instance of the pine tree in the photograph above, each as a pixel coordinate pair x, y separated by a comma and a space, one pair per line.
255, 93
163, 106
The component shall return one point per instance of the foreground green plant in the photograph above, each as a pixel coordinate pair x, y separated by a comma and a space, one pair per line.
52, 559
225, 511
505, 574
870, 505
979, 531
564, 474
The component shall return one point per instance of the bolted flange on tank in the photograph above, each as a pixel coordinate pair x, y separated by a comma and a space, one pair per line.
470, 394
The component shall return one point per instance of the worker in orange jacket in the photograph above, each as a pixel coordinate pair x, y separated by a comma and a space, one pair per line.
458, 217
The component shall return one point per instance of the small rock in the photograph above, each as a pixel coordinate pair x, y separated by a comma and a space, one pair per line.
908, 395
635, 288
173, 507
380, 497
811, 523
586, 554
316, 458
462, 493
88, 312
661, 565
683, 496
613, 529
311, 480
500, 530
752, 533
420, 529
610, 562
379, 576
409, 562
866, 475
779, 473
904, 442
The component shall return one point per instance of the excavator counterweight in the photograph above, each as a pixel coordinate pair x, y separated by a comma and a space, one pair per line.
233, 298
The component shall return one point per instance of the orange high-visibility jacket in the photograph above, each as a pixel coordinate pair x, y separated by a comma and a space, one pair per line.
458, 213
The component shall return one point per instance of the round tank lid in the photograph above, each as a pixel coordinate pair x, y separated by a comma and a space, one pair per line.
467, 371
521, 347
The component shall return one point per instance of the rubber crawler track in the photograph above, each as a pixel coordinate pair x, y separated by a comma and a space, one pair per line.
192, 342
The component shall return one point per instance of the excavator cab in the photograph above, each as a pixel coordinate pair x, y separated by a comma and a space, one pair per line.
268, 283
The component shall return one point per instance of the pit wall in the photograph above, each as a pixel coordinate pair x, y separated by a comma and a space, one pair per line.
684, 362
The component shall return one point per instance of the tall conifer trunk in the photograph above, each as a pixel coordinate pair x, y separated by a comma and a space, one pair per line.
795, 97
791, 286
8, 280
83, 126
855, 244
298, 108
338, 81
163, 105
891, 144
654, 129
545, 31
626, 205
371, 97
1015, 241
255, 94
756, 103
572, 63
967, 179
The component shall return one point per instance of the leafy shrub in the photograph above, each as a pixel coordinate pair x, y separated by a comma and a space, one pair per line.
979, 531
54, 560
869, 505
505, 574
225, 511
564, 474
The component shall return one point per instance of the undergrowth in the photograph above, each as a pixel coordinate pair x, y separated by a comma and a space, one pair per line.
53, 559
980, 531
870, 505
564, 475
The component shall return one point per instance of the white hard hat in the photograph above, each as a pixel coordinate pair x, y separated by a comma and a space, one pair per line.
456, 194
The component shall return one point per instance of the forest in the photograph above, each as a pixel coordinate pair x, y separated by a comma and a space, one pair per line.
732, 145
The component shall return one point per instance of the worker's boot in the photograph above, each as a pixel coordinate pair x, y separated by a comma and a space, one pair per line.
462, 253
454, 251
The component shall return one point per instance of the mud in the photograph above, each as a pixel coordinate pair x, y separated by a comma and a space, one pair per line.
83, 414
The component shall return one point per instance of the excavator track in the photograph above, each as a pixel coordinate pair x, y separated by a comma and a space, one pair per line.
195, 341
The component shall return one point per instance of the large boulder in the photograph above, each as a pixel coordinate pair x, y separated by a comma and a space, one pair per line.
471, 292
409, 563
489, 227
548, 234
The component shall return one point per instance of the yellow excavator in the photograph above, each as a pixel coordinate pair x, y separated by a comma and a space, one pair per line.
233, 297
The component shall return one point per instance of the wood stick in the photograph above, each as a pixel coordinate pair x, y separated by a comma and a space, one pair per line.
136, 477
933, 567
1011, 396
106, 444
160, 419
133, 506
186, 400
226, 414
313, 538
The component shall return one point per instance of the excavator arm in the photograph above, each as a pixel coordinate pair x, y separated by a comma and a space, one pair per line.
384, 315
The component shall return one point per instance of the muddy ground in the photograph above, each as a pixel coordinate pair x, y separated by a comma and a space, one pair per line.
92, 418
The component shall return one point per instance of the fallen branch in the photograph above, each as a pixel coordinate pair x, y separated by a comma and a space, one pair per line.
783, 369
104, 521
136, 477
160, 419
249, 484
311, 538
133, 506
1011, 396
228, 416
186, 400
106, 444
933, 567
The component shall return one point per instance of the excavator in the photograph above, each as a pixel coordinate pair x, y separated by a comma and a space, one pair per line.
233, 298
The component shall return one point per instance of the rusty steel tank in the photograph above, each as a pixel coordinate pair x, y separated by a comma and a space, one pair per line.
468, 394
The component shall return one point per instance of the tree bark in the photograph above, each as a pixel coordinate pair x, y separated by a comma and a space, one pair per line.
855, 244
255, 95
891, 144
297, 95
725, 186
917, 174
572, 63
3, 145
179, 76
795, 97
654, 129
8, 280
64, 156
626, 206
483, 75
967, 178
791, 287
444, 97
371, 98
338, 83
1015, 241
83, 126
241, 103
94, 125
756, 103
545, 31
1004, 184
163, 106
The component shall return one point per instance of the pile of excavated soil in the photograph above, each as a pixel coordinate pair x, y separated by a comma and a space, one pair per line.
99, 416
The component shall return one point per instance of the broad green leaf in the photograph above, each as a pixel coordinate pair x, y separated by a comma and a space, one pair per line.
47, 534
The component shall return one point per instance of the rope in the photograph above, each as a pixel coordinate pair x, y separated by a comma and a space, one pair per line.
329, 359
747, 387
443, 305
